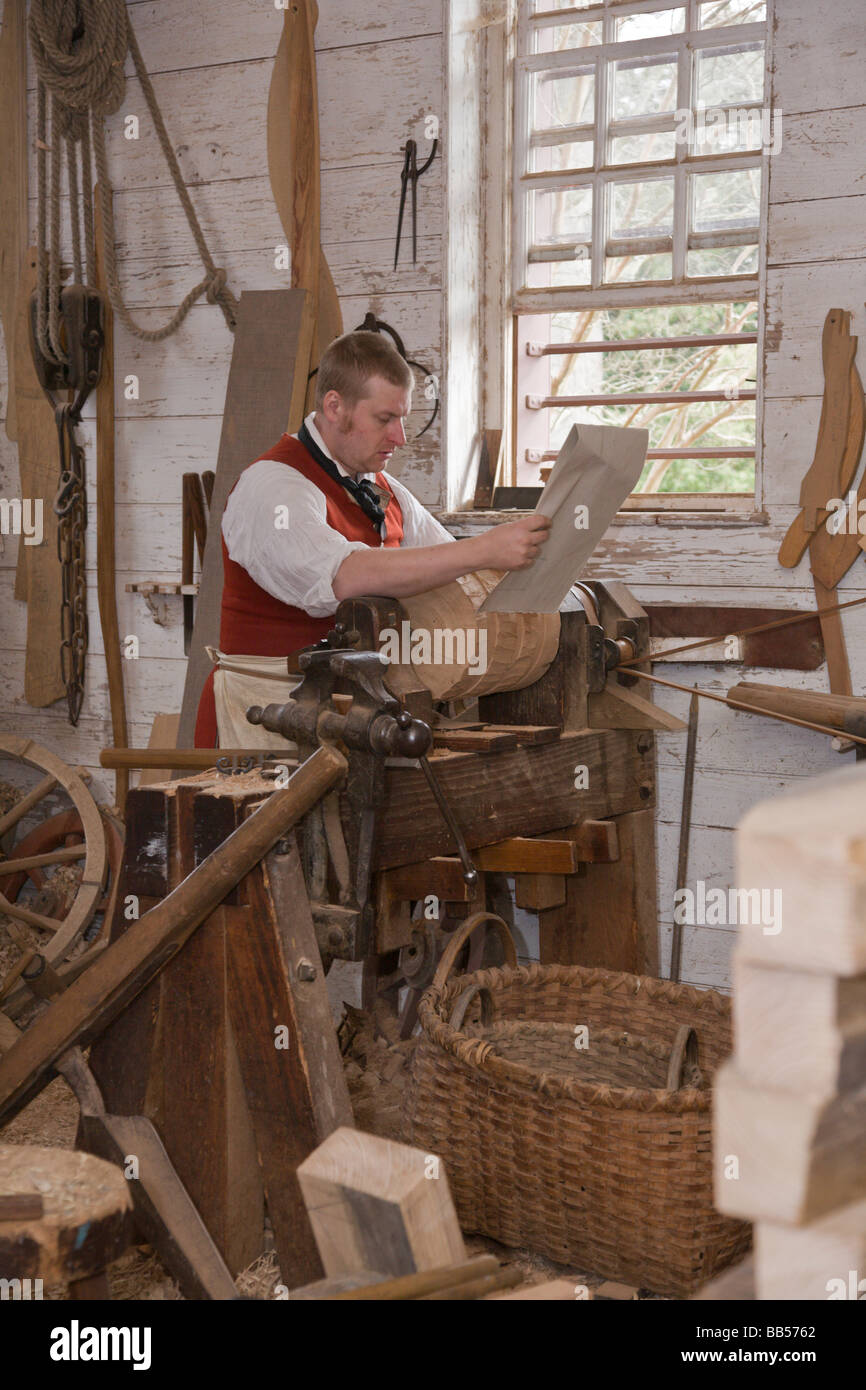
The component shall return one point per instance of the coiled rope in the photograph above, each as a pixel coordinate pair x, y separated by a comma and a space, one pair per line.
79, 48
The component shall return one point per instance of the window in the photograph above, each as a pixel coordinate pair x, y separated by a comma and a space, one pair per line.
640, 145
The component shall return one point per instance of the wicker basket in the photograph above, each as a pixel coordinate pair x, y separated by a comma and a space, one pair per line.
598, 1158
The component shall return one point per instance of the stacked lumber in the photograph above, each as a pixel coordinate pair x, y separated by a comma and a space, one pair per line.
790, 1122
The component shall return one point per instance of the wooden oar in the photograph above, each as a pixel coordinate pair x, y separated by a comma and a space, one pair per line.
834, 463
831, 555
106, 576
293, 165
13, 182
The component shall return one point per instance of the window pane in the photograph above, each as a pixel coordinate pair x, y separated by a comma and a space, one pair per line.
723, 260
572, 154
642, 149
562, 99
730, 12
559, 215
722, 201
650, 26
644, 88
727, 369
731, 77
722, 130
633, 269
553, 38
641, 209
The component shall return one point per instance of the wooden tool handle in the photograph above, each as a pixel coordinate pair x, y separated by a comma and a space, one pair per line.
423, 1282
818, 706
462, 935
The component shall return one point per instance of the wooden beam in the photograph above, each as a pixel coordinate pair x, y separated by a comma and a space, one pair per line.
785, 1156
266, 389
609, 918
521, 791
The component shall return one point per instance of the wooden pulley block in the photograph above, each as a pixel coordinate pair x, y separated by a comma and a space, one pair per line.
458, 653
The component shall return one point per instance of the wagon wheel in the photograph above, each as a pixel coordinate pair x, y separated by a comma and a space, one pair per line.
63, 831
29, 858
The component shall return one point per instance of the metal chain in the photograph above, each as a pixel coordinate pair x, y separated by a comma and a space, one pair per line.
70, 505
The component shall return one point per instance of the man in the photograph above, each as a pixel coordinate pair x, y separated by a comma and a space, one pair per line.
317, 519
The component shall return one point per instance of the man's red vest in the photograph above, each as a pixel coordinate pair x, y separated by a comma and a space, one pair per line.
255, 623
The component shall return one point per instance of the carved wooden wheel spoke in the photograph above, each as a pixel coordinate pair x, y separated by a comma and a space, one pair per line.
64, 910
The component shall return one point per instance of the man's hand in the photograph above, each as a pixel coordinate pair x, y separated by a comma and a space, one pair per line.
403, 571
514, 545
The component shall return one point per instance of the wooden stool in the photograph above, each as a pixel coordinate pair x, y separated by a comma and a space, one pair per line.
85, 1223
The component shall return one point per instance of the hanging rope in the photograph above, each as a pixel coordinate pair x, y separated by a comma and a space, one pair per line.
79, 49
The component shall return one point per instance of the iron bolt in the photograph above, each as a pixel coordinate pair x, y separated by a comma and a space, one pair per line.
306, 971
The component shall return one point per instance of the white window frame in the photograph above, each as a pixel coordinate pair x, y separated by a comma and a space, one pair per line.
681, 289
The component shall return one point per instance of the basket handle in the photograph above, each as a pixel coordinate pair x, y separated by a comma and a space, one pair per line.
684, 1050
462, 934
458, 1013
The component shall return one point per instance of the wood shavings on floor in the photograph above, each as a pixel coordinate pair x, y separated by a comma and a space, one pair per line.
377, 1066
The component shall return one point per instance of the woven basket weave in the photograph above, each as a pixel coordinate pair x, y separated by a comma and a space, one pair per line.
585, 1156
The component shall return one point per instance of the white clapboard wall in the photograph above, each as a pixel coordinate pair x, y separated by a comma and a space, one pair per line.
381, 71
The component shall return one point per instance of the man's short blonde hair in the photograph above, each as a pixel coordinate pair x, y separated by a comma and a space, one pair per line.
349, 362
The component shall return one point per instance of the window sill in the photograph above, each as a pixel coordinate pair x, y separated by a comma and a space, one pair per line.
695, 518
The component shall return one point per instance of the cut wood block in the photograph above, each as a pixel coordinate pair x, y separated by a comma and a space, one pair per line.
799, 1031
595, 841
441, 876
375, 1204
619, 707
528, 733
86, 1214
537, 892
476, 740
823, 1261
802, 859
520, 855
783, 1156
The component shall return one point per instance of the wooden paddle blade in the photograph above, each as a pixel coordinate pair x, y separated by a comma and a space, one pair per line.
329, 324
831, 555
293, 165
279, 161
838, 670
795, 541
837, 451
823, 477
293, 145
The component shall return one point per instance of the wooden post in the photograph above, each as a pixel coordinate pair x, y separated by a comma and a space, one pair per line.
609, 917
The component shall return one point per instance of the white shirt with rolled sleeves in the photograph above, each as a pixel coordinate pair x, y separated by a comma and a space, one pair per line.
298, 565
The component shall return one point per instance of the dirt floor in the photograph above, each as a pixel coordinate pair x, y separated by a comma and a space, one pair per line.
377, 1065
